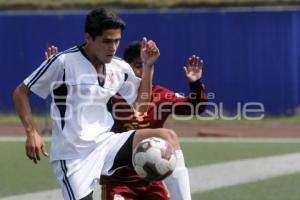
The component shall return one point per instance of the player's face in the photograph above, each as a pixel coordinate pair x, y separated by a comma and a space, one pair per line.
137, 65
104, 47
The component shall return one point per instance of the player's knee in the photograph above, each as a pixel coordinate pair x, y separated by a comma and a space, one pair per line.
171, 137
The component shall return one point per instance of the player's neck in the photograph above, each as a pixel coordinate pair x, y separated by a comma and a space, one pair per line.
93, 59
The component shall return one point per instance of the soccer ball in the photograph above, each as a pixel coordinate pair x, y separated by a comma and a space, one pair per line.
154, 159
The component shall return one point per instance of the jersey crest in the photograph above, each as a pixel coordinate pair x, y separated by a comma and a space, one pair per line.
140, 121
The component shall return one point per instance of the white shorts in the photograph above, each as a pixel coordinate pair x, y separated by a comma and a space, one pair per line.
78, 177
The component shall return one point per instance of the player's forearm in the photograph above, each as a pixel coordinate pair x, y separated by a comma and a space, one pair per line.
22, 106
145, 90
195, 103
198, 96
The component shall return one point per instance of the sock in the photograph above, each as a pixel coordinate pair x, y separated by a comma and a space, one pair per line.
178, 182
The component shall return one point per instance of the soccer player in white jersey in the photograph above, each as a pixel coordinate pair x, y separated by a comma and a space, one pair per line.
81, 81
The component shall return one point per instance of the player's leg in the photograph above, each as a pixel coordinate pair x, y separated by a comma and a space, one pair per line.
178, 182
112, 192
76, 178
163, 133
156, 191
88, 197
120, 155
121, 152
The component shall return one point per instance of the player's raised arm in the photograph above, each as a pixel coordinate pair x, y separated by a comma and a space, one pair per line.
195, 102
193, 73
149, 55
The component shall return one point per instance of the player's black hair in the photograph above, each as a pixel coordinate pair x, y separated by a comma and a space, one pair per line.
100, 19
132, 51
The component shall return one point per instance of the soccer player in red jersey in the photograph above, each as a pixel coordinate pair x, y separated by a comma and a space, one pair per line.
125, 183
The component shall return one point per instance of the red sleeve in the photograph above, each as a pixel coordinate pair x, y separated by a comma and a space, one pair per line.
194, 103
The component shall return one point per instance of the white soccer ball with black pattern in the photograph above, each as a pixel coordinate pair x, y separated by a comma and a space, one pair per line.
154, 159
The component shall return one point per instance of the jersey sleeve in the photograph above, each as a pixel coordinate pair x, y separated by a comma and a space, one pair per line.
166, 96
43, 80
129, 89
195, 103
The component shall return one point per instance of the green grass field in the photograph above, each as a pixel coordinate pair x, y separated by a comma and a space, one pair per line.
280, 188
19, 175
208, 153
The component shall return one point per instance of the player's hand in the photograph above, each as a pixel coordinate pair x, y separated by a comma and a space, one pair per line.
149, 52
35, 146
51, 51
193, 68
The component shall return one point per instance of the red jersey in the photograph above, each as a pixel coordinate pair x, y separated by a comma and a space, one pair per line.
163, 103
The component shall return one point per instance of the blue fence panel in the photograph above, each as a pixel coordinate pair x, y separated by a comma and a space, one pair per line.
250, 56
24, 38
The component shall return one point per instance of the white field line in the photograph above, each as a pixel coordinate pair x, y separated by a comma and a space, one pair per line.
226, 174
238, 140
214, 176
191, 139
18, 138
44, 195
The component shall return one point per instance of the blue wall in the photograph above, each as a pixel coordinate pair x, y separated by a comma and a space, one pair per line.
248, 55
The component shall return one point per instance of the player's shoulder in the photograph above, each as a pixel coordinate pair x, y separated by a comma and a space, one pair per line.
117, 58
69, 52
161, 93
160, 89
61, 56
165, 93
119, 61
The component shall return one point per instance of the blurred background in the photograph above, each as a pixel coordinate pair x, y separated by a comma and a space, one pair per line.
251, 53
251, 59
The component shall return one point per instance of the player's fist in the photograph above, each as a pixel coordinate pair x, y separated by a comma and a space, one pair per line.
149, 52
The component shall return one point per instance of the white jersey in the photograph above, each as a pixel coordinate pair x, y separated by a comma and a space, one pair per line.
80, 100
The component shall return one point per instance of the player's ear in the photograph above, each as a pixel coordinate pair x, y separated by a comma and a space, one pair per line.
87, 38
